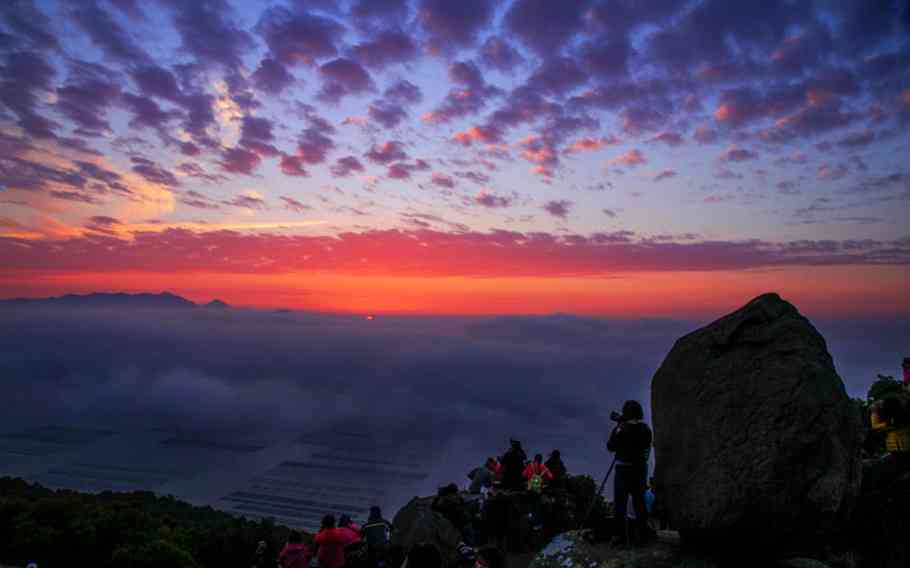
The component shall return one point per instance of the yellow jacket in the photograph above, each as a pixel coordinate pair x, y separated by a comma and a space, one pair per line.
898, 437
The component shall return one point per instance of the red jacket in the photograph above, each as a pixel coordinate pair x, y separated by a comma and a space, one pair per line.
331, 547
295, 555
351, 534
543, 470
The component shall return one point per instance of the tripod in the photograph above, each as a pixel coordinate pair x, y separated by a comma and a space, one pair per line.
599, 492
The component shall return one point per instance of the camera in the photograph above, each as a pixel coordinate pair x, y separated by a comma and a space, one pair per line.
615, 416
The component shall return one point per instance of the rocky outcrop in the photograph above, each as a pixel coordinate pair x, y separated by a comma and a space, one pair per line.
417, 522
755, 436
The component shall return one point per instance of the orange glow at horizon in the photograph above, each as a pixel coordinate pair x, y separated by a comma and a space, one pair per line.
827, 291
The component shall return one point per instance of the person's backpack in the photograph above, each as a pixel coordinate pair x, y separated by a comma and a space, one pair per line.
535, 484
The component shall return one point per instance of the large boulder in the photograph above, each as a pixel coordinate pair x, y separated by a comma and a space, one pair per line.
756, 440
416, 522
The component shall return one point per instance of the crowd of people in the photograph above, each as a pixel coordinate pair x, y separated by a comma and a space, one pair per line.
342, 543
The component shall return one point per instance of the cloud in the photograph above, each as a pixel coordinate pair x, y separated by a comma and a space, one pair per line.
387, 48
630, 159
545, 26
491, 200
442, 180
477, 134
495, 253
272, 77
665, 174
345, 166
106, 33
499, 54
208, 32
607, 58
557, 76
668, 138
256, 135
470, 97
558, 208
240, 161
248, 200
30, 23
314, 144
827, 172
25, 75
387, 152
293, 166
342, 78
705, 135
154, 173
146, 112
297, 37
590, 144
292, 204
386, 114
737, 155
453, 25
403, 91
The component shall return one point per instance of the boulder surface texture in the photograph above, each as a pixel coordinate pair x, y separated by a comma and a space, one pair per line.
755, 437
416, 522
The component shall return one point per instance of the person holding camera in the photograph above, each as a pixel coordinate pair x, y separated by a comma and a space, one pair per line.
630, 440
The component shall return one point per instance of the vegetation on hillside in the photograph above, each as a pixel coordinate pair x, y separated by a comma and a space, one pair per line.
132, 530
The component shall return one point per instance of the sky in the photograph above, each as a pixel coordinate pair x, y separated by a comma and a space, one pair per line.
614, 158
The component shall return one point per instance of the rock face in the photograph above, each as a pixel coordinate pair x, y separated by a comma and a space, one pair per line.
755, 436
417, 522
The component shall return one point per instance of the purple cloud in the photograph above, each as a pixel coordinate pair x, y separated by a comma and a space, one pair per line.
398, 171
292, 204
491, 200
558, 208
737, 155
453, 24
208, 32
106, 33
705, 135
157, 82
546, 26
387, 48
24, 76
247, 201
27, 21
368, 13
665, 174
154, 173
240, 161
470, 98
558, 76
668, 138
442, 180
387, 114
386, 153
146, 112
293, 166
499, 54
403, 92
86, 105
256, 135
343, 77
296, 36
344, 167
272, 77
607, 59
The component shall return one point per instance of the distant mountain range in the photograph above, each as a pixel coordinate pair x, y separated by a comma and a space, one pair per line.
119, 300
